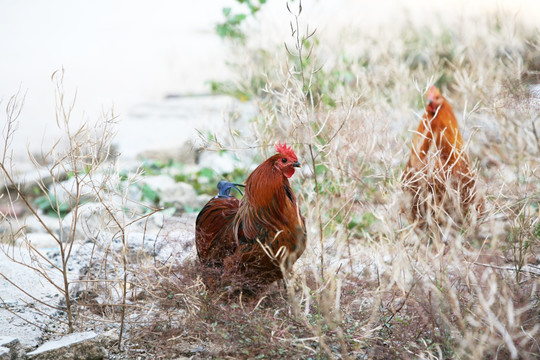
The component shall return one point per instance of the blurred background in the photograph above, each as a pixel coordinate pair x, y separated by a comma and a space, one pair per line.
139, 57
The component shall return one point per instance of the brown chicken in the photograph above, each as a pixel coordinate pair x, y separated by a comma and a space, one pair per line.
248, 243
438, 174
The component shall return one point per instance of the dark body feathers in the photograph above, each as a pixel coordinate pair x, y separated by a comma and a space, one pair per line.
248, 242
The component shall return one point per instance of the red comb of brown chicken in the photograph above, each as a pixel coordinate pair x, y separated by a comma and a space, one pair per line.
439, 174
249, 242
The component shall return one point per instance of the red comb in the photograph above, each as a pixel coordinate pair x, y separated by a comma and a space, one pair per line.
433, 92
286, 150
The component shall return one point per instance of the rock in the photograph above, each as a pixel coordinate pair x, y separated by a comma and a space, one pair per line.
29, 176
535, 90
38, 240
178, 194
136, 243
221, 163
203, 199
108, 338
183, 194
15, 209
8, 229
93, 218
187, 153
175, 243
159, 183
172, 241
534, 101
9, 341
66, 191
10, 348
155, 222
179, 245
32, 224
4, 353
82, 345
17, 308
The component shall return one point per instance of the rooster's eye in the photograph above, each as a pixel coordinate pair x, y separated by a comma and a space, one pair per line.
284, 160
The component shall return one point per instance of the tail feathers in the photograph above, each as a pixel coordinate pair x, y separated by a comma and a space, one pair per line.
211, 228
224, 189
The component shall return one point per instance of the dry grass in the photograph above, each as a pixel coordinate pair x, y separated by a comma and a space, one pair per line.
371, 284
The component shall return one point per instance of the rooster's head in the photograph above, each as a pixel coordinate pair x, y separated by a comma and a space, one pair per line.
287, 160
434, 99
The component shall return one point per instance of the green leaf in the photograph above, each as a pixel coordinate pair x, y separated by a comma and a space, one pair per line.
352, 224
368, 219
48, 205
320, 168
190, 209
237, 19
149, 194
43, 202
207, 173
62, 210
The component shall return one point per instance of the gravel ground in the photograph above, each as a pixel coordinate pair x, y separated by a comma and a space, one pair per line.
18, 310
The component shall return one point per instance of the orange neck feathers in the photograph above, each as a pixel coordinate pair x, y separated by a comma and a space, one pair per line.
267, 185
445, 127
268, 199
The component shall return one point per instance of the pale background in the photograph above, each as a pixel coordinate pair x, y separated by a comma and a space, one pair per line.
132, 53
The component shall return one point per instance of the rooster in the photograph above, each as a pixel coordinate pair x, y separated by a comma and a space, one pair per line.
249, 242
438, 166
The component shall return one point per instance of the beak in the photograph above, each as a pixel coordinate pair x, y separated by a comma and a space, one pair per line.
429, 101
242, 185
296, 164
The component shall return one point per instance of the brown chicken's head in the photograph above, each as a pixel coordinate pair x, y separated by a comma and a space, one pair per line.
434, 99
286, 161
